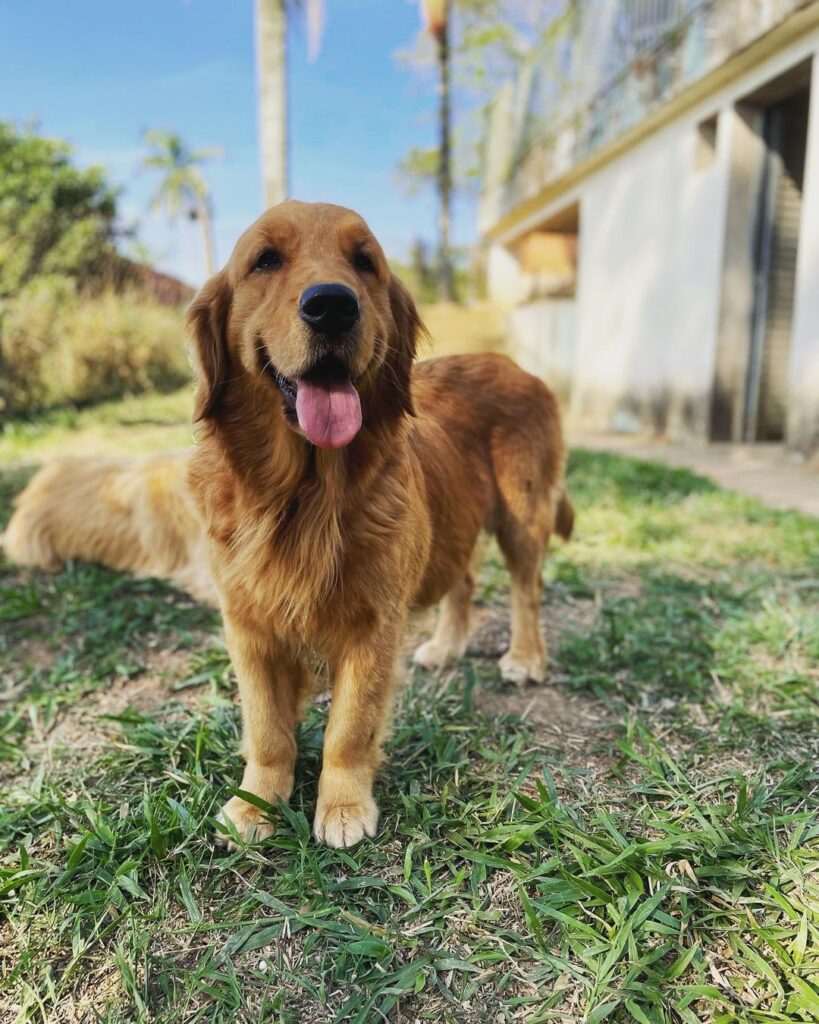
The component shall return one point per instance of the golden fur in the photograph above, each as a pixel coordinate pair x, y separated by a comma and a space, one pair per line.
320, 552
133, 514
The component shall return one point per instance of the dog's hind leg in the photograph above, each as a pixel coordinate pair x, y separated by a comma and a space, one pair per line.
523, 549
528, 474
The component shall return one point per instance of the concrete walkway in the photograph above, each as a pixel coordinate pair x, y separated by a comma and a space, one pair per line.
764, 471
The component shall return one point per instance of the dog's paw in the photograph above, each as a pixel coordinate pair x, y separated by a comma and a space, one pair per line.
432, 655
249, 821
342, 825
519, 670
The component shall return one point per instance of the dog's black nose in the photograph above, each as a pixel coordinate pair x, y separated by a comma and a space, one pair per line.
329, 308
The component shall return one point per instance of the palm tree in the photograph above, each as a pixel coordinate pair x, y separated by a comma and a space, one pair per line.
436, 17
271, 75
182, 189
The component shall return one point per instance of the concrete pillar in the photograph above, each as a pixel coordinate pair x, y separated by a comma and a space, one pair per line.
746, 165
505, 281
803, 396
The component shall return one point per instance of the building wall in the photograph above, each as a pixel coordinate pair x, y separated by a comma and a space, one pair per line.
655, 276
543, 336
650, 257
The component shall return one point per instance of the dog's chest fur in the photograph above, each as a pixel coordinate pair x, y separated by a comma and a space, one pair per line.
312, 554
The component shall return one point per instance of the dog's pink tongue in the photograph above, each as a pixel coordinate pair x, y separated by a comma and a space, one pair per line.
329, 413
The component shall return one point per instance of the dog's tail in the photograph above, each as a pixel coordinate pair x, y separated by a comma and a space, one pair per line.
564, 517
135, 515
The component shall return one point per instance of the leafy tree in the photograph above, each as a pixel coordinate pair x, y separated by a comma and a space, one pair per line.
479, 45
182, 189
495, 37
423, 270
55, 218
437, 20
418, 169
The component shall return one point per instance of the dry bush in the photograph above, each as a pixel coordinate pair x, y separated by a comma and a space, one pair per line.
58, 347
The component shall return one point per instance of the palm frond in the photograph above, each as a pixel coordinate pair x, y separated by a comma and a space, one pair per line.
182, 187
204, 153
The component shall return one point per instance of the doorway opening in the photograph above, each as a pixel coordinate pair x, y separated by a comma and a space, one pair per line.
769, 143
785, 135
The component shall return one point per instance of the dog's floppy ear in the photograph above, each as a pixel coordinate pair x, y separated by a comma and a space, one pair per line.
403, 344
207, 320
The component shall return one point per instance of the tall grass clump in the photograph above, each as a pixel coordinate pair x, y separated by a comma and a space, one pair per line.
60, 346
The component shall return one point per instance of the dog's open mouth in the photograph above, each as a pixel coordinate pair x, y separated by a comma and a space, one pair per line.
323, 402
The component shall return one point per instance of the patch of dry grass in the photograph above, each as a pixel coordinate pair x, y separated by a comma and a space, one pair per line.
458, 330
62, 349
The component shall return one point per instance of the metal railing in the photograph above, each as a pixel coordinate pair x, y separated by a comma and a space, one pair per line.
612, 63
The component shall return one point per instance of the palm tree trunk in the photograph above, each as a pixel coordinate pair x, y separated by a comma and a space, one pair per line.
207, 232
447, 280
271, 78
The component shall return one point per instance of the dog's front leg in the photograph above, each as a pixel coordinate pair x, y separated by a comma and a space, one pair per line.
273, 686
363, 688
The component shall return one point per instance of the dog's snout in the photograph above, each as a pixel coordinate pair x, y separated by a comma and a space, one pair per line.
329, 308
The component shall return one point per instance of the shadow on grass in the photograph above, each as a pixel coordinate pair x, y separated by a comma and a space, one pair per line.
657, 647
600, 476
718, 632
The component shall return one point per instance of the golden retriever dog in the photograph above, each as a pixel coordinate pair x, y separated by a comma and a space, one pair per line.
136, 515
340, 487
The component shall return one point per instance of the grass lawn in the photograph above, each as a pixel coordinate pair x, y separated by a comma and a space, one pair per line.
636, 841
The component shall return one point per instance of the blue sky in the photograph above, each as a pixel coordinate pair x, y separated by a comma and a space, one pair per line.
98, 72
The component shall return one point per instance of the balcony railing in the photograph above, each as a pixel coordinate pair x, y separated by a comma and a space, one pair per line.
607, 65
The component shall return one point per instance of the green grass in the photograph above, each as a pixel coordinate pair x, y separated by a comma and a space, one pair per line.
139, 423
661, 867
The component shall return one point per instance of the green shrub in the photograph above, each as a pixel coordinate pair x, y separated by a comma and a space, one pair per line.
59, 347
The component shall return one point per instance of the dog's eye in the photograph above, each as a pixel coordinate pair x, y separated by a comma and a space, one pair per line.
364, 263
268, 260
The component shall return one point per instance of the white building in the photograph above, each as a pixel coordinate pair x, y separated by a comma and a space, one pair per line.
651, 212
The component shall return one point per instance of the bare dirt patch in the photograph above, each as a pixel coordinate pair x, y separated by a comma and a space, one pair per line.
576, 725
80, 732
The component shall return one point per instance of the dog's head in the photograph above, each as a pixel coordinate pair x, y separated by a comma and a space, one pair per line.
308, 305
